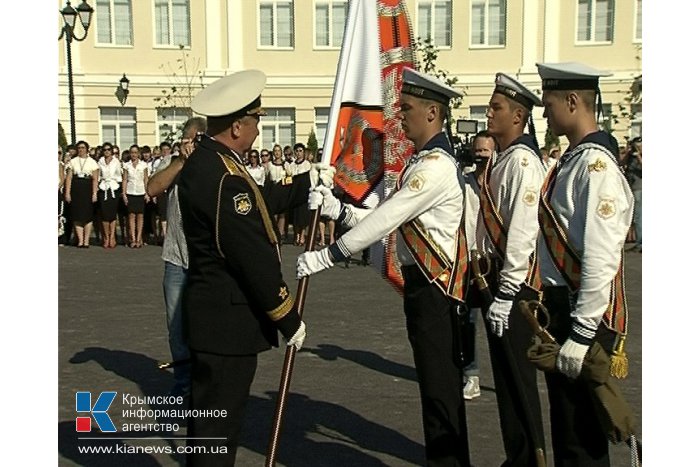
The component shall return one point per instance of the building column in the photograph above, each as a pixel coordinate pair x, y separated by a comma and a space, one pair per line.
234, 26
552, 31
531, 35
214, 39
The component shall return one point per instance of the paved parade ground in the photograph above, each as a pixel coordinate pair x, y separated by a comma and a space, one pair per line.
353, 399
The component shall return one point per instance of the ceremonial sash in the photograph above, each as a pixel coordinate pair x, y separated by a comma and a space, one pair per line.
568, 263
496, 230
234, 168
451, 278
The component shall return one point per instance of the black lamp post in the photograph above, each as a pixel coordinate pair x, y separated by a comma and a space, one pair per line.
84, 11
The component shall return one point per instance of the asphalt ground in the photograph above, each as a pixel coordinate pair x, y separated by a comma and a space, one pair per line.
354, 396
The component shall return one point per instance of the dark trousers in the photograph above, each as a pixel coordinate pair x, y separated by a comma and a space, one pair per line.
513, 384
429, 328
218, 383
577, 437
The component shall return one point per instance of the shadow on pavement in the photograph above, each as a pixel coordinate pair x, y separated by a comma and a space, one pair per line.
340, 436
367, 359
132, 366
314, 433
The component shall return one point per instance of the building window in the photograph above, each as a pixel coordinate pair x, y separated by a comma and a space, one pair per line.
607, 117
276, 23
321, 124
113, 22
330, 22
277, 127
638, 22
478, 113
172, 19
435, 21
488, 23
169, 123
636, 121
118, 125
595, 20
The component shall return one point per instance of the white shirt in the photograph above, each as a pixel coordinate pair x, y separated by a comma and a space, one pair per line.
258, 174
110, 174
431, 192
296, 168
593, 202
515, 183
82, 167
276, 172
135, 185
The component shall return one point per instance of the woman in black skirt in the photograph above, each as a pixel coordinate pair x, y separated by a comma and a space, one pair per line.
134, 181
81, 192
110, 182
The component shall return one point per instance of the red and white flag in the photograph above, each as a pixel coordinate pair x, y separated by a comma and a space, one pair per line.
364, 140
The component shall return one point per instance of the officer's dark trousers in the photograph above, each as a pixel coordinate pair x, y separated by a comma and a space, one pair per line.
429, 328
577, 437
218, 383
510, 383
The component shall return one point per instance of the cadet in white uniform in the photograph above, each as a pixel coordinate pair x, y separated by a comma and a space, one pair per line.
427, 207
506, 233
585, 214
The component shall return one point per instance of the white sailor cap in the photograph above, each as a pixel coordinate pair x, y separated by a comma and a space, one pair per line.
236, 94
425, 86
512, 88
569, 76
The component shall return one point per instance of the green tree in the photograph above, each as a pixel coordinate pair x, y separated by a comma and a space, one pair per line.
312, 143
550, 140
632, 100
62, 141
427, 55
186, 79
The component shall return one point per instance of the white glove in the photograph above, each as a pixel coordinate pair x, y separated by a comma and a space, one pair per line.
315, 199
322, 173
311, 262
323, 197
297, 339
497, 315
570, 358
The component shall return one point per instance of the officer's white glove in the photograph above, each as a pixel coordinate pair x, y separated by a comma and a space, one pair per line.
315, 199
311, 262
323, 197
322, 173
570, 358
297, 339
497, 316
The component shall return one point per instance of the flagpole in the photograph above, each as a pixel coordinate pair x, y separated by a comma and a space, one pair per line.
288, 365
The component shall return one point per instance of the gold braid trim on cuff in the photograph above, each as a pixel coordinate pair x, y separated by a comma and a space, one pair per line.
282, 310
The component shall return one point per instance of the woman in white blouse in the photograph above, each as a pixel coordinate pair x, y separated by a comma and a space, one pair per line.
81, 192
256, 171
109, 185
134, 181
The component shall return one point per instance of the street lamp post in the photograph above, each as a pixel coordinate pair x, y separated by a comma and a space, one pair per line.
84, 11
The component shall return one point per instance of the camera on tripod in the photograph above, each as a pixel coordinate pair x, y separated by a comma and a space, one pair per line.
462, 144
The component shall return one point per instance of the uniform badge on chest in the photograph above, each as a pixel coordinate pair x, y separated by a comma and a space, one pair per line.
242, 204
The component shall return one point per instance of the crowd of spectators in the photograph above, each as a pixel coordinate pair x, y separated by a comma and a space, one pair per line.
102, 187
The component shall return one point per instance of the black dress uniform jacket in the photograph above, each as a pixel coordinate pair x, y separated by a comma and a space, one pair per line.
235, 299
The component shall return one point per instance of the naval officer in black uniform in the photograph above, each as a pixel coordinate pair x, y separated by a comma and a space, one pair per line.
235, 300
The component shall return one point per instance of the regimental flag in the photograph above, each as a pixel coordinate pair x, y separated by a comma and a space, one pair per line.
364, 138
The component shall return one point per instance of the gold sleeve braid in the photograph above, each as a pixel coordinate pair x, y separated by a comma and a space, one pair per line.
282, 310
